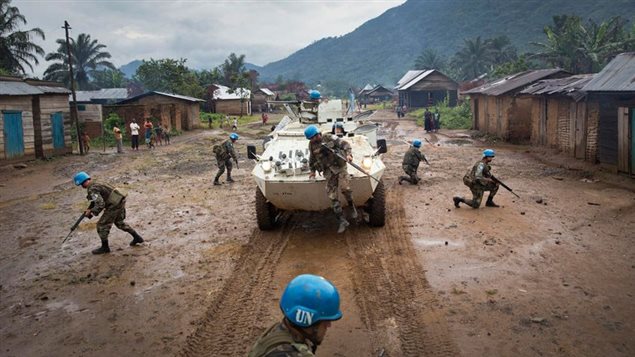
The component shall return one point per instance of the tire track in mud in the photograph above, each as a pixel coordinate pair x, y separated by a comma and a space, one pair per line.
392, 291
228, 325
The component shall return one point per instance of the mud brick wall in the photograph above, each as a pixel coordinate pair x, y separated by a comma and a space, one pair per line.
520, 119
232, 107
564, 135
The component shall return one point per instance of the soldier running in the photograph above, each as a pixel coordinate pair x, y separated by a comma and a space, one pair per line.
309, 303
224, 154
479, 180
410, 163
113, 202
333, 169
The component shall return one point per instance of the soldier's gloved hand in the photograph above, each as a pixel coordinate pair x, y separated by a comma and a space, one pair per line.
88, 213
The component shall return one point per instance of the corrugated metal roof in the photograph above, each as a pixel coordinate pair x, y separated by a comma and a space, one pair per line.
105, 93
513, 82
53, 89
176, 96
408, 81
617, 76
569, 86
18, 88
222, 93
267, 91
408, 77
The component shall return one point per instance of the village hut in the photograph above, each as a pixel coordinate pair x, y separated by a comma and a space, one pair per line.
89, 107
498, 110
426, 88
34, 119
260, 98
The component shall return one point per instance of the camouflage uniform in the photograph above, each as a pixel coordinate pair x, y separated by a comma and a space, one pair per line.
410, 165
224, 159
99, 194
279, 341
333, 168
475, 179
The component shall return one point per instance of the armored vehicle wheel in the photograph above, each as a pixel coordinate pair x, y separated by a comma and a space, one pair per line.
376, 207
265, 212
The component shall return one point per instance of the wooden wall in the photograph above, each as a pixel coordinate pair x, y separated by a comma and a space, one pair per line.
49, 104
24, 105
519, 119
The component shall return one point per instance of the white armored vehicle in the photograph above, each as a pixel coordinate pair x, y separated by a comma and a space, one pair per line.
282, 170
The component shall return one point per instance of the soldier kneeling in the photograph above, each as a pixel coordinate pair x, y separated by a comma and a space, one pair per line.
479, 180
410, 163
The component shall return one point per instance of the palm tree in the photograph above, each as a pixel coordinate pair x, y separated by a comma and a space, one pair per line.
474, 58
16, 48
430, 59
502, 50
87, 55
598, 44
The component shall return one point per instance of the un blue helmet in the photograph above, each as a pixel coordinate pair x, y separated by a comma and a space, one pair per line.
233, 136
416, 143
80, 177
309, 299
488, 153
311, 131
314, 94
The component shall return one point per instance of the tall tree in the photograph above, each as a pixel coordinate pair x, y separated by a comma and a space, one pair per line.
87, 56
474, 58
501, 50
109, 78
16, 47
169, 75
430, 59
233, 70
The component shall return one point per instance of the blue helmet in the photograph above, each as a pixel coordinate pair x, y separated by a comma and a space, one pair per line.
80, 178
314, 94
233, 136
488, 153
416, 143
311, 131
309, 299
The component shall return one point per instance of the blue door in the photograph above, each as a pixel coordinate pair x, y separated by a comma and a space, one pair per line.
13, 134
57, 125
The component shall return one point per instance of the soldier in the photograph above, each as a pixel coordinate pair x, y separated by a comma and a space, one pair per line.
309, 303
113, 202
338, 129
411, 162
479, 179
224, 154
333, 168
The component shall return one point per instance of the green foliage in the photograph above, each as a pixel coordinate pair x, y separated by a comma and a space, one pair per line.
214, 116
109, 78
17, 49
87, 55
459, 117
523, 63
430, 59
109, 136
169, 75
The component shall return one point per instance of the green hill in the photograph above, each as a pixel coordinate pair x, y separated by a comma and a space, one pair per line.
382, 49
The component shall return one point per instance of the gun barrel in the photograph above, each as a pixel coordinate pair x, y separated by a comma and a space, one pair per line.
351, 163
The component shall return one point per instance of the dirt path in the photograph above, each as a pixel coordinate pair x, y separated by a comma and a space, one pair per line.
549, 278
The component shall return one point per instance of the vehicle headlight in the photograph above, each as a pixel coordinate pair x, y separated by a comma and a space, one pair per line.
266, 166
367, 163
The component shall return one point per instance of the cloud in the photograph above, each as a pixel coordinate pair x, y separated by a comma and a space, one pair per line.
204, 32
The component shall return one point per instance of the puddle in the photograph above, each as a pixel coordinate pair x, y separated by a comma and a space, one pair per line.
457, 142
422, 242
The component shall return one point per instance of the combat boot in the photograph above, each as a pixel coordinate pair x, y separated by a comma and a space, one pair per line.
216, 183
103, 249
343, 224
136, 239
490, 203
457, 200
229, 179
353, 211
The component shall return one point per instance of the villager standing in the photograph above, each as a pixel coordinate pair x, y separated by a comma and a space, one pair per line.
118, 138
134, 132
235, 125
85, 142
148, 133
333, 168
225, 152
158, 134
410, 163
437, 120
427, 121
309, 304
479, 179
112, 201
166, 134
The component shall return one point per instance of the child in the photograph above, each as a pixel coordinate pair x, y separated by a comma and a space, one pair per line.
235, 126
166, 134
86, 142
158, 133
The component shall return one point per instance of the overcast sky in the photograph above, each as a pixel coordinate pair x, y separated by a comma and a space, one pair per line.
204, 32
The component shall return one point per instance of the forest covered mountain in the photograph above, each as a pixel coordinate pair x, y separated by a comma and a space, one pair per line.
382, 49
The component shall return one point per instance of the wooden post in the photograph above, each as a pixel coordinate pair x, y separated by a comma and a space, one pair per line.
74, 116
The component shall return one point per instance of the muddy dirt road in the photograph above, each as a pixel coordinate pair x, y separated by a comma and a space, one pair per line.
549, 278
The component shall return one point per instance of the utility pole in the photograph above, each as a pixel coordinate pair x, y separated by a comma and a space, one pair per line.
74, 116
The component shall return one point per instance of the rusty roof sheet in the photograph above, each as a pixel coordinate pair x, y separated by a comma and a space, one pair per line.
617, 76
104, 93
569, 86
18, 88
175, 96
513, 82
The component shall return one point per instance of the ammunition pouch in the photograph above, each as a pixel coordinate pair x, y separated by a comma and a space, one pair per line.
116, 197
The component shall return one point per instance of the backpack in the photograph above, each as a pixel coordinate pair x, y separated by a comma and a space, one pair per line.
217, 150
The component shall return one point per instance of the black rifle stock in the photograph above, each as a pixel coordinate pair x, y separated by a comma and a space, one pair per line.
505, 186
351, 163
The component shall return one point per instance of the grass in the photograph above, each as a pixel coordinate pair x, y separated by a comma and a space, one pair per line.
459, 117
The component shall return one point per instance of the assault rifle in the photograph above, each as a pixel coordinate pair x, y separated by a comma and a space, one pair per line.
79, 220
424, 159
351, 163
505, 186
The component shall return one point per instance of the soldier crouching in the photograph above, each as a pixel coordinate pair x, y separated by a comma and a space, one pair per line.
479, 179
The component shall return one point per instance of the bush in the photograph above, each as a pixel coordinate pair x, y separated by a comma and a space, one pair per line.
214, 116
459, 117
